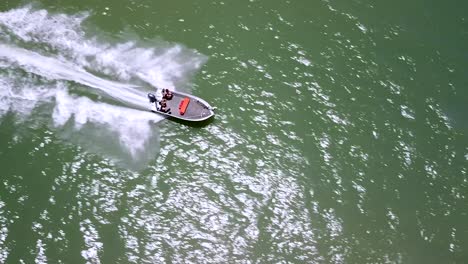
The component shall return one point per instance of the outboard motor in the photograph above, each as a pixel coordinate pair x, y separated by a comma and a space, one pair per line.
152, 98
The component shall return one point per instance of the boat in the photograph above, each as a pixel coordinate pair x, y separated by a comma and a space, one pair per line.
181, 106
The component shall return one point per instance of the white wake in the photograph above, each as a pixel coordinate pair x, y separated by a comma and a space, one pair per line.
49, 59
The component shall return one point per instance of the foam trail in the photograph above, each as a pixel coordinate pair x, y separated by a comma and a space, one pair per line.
72, 54
158, 63
22, 101
57, 47
101, 125
132, 127
52, 68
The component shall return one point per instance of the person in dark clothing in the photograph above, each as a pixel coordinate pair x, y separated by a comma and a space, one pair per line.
167, 94
164, 107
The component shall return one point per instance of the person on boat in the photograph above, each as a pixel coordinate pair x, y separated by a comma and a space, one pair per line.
167, 94
163, 107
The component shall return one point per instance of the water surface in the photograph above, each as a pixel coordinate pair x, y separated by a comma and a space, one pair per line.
340, 134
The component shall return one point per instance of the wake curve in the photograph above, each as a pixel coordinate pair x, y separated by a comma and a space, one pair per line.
57, 47
55, 69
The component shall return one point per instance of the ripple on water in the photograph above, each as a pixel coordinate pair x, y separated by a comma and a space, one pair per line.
4, 250
91, 240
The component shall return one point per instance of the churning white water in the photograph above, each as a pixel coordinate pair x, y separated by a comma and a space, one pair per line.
55, 69
43, 56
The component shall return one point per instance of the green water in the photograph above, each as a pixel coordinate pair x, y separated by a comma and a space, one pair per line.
340, 133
